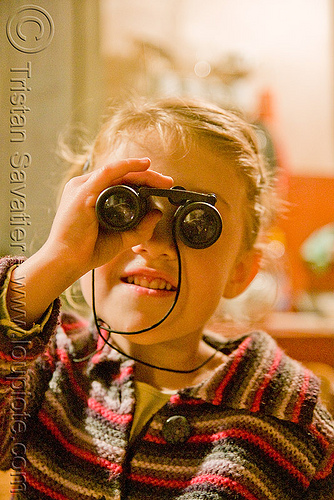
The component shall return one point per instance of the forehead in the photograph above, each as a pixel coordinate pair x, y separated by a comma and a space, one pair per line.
198, 167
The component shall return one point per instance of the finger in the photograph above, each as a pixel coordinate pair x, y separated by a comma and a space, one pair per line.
149, 178
109, 174
132, 170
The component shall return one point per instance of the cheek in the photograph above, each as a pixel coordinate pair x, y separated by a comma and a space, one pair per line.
206, 275
209, 270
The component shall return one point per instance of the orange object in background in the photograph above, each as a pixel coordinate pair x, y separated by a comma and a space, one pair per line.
310, 207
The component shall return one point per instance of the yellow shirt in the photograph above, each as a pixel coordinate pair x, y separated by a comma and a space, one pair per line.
148, 401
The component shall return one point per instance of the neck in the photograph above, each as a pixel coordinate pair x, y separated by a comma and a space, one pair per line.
179, 356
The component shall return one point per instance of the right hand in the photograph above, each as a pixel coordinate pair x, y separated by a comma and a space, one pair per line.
75, 233
76, 243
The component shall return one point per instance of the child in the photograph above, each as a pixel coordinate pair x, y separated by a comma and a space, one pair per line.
138, 404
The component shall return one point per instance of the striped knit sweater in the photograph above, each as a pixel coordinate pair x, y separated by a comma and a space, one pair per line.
253, 430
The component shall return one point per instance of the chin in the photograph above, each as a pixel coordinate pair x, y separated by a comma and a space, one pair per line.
128, 322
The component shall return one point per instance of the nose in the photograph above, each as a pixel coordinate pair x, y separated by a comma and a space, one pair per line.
161, 243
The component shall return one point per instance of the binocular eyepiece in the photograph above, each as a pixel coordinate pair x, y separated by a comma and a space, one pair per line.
197, 223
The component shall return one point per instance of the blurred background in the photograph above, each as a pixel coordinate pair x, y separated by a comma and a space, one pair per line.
63, 62
271, 59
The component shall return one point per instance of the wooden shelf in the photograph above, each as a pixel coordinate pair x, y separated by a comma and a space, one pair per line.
304, 336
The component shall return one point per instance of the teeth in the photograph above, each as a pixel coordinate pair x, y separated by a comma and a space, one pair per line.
144, 283
155, 284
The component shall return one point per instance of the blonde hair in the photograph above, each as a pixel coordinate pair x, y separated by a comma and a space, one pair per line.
188, 122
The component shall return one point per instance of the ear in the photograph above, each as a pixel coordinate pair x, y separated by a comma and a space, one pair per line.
243, 272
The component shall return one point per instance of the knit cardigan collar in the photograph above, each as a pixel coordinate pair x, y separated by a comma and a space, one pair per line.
256, 376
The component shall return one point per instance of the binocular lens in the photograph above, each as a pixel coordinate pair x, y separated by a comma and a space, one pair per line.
119, 208
119, 211
198, 225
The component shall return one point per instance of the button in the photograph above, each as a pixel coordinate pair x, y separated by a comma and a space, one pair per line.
176, 429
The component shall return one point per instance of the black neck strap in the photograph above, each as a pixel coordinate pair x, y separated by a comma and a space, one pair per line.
100, 325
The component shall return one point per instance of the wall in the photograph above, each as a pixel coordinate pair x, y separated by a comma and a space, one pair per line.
60, 85
287, 44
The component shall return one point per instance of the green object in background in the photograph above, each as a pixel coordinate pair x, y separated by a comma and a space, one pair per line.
318, 249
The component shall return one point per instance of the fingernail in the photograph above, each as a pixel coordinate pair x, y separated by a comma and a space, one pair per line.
144, 160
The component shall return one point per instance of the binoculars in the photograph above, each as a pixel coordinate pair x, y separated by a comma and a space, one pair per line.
196, 222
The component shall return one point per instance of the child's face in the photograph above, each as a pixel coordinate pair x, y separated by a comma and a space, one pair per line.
123, 298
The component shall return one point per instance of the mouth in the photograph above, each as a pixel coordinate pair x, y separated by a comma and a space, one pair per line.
149, 282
